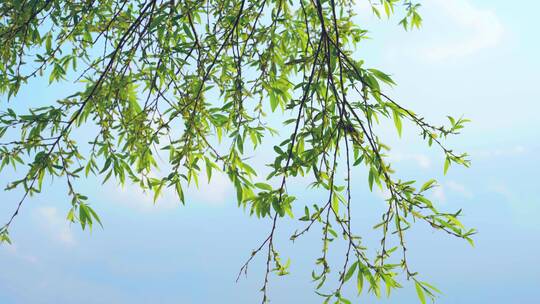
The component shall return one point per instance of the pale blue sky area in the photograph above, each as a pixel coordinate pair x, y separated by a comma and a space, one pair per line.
473, 58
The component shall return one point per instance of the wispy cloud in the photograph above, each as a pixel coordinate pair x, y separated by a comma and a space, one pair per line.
439, 194
458, 188
524, 207
422, 160
132, 196
13, 250
500, 152
476, 28
214, 193
450, 188
383, 194
55, 225
211, 194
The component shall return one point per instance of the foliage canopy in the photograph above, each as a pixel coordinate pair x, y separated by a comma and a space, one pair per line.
195, 81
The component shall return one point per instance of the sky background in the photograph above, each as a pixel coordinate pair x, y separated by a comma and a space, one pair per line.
473, 58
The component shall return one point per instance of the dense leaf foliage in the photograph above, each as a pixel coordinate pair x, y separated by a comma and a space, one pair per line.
196, 81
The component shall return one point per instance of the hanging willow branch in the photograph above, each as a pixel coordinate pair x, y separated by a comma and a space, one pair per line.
194, 81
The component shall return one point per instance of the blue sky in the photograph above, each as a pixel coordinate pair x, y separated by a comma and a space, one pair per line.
473, 58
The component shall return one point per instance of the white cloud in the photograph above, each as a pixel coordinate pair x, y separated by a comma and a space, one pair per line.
211, 194
475, 28
439, 194
131, 195
422, 160
502, 190
217, 192
382, 193
55, 225
500, 152
524, 207
458, 188
14, 251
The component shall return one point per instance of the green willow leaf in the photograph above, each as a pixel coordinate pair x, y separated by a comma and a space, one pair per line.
420, 292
